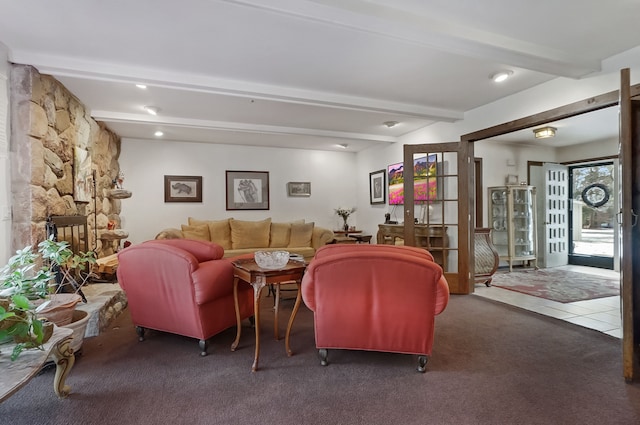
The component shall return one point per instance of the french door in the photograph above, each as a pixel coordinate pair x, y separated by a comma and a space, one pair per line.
446, 209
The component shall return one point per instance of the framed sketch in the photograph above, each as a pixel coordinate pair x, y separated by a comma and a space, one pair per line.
247, 190
299, 188
182, 188
376, 187
512, 179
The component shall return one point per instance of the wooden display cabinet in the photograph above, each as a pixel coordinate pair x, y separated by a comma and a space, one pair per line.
432, 238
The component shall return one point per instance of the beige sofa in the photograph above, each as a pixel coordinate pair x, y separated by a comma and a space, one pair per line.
243, 237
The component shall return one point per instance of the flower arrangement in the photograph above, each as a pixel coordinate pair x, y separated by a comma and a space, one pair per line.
345, 213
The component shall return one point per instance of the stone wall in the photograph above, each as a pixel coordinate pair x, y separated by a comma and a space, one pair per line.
48, 124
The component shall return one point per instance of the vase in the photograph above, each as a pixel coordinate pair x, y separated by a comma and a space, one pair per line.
346, 226
78, 325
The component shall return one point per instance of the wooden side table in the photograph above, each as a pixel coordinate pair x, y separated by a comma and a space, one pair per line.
16, 374
248, 271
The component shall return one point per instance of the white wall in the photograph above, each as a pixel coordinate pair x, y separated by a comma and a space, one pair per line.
145, 163
337, 179
5, 172
552, 94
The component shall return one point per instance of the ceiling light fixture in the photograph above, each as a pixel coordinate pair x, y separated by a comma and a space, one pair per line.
158, 133
141, 86
501, 76
544, 132
343, 145
153, 110
391, 124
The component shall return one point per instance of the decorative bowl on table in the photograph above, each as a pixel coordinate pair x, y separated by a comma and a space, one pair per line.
271, 260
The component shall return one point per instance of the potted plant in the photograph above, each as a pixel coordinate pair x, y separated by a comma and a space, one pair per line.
67, 267
22, 282
31, 277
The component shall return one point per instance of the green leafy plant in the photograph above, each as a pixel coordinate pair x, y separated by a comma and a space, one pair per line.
69, 264
18, 321
22, 280
29, 276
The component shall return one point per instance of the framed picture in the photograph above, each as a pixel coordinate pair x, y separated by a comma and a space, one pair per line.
376, 187
512, 179
182, 188
247, 190
299, 188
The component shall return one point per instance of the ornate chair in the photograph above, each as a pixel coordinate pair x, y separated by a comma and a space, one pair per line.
375, 297
181, 286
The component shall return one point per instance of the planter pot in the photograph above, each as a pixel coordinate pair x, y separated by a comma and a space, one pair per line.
78, 325
59, 308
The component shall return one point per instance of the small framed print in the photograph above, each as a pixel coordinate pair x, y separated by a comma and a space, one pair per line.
299, 189
376, 187
182, 188
247, 190
512, 179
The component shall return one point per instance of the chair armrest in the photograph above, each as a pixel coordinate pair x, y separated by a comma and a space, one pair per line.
202, 250
442, 295
212, 280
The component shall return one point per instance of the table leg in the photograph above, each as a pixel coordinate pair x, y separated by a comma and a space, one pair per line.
276, 309
64, 357
257, 289
296, 306
238, 321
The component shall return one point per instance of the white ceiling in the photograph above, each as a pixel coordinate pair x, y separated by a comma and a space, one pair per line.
306, 73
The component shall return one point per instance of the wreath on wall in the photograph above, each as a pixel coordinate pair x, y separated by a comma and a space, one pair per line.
595, 195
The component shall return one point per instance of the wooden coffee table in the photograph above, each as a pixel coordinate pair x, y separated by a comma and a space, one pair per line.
248, 271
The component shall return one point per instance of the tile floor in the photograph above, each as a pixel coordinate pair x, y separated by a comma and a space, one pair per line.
601, 314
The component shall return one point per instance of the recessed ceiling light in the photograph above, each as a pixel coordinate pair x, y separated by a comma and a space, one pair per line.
391, 124
153, 110
158, 133
343, 145
141, 86
501, 76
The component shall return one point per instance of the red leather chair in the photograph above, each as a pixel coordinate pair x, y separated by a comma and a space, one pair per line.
181, 286
375, 297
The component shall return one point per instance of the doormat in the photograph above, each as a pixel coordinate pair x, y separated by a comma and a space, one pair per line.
558, 285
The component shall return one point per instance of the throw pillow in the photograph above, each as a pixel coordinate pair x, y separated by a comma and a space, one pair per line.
200, 232
220, 233
219, 230
280, 233
301, 234
250, 234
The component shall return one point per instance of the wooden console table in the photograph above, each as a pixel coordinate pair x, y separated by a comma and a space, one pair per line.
16, 374
432, 238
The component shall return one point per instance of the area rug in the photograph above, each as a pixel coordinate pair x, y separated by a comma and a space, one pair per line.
558, 285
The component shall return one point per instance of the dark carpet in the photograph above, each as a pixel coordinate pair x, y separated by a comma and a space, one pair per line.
558, 285
492, 364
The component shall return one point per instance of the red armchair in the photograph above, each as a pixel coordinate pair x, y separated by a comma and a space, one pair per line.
375, 297
181, 286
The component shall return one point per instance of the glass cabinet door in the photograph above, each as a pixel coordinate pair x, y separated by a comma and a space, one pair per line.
513, 223
523, 222
498, 219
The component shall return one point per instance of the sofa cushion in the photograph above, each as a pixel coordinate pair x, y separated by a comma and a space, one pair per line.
280, 233
200, 232
219, 230
301, 234
250, 234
